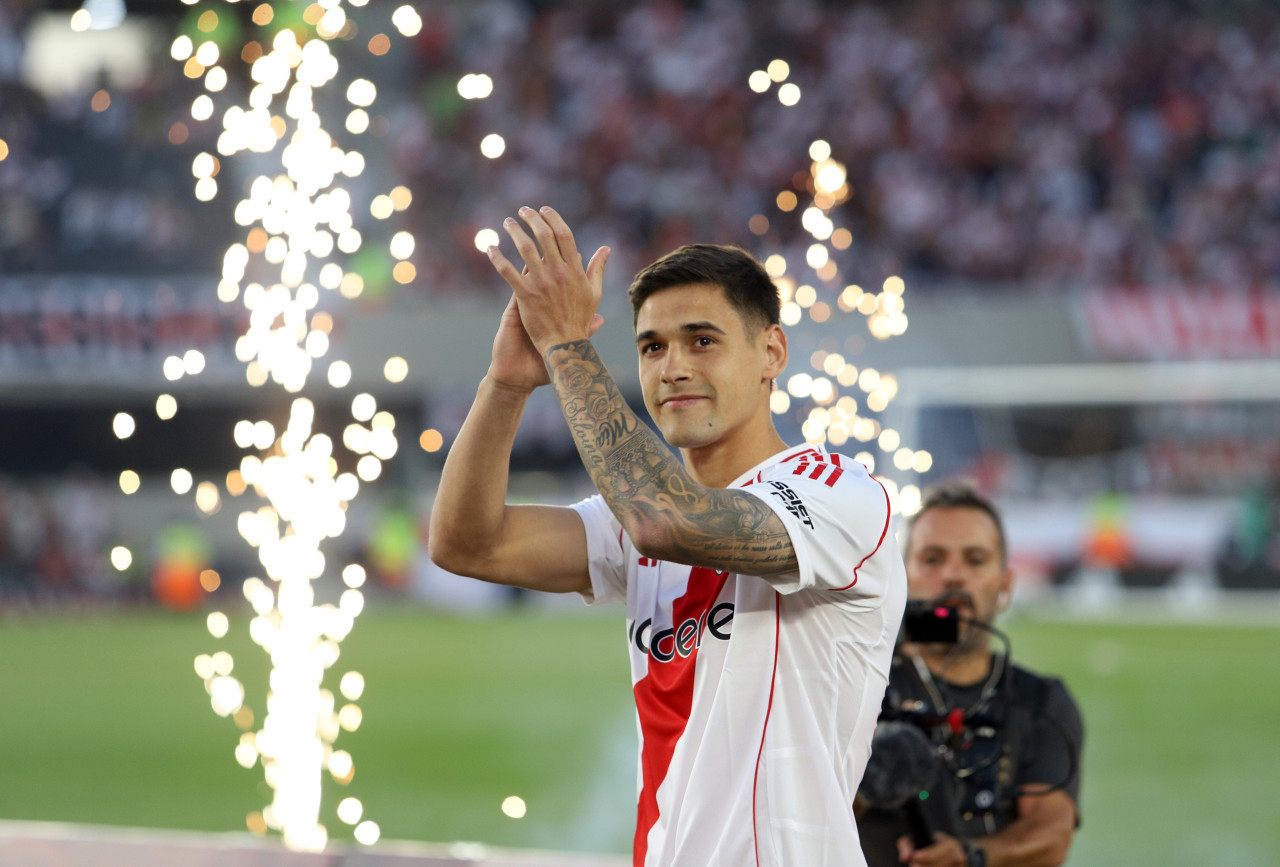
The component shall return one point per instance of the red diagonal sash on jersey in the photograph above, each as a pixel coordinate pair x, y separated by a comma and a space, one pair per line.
664, 699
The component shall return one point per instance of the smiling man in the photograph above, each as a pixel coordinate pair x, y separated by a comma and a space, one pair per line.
763, 585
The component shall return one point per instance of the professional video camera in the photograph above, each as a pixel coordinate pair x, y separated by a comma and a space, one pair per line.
906, 771
926, 758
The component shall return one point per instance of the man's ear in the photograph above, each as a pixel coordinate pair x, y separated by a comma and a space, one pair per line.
1006, 591
775, 348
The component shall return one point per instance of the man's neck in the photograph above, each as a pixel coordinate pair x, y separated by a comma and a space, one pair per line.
718, 464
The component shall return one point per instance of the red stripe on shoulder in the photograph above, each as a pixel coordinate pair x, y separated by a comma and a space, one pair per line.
888, 513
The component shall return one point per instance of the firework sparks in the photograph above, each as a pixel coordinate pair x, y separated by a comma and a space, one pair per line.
829, 413
295, 219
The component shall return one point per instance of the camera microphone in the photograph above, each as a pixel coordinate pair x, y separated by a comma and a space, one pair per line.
902, 767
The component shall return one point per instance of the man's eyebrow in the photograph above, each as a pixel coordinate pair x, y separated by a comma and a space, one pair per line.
687, 328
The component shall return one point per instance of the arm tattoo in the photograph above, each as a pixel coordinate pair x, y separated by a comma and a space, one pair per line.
649, 490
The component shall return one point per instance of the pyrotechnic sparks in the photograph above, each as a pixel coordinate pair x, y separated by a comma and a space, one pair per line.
295, 218
827, 415
514, 807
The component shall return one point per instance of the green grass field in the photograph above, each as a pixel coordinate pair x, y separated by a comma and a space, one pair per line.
105, 721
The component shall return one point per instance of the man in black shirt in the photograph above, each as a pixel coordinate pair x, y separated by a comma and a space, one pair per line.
1007, 740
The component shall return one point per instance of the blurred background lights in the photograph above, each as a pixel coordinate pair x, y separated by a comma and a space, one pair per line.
361, 92
217, 623
180, 480
341, 766
431, 440
368, 468
123, 425
350, 810
181, 48
208, 500
129, 482
485, 239
226, 694
514, 807
401, 197
363, 406
492, 146
367, 833
407, 21
354, 576
396, 369
352, 685
381, 207
339, 374
210, 580
166, 407
475, 86
121, 558
193, 362
357, 121
402, 245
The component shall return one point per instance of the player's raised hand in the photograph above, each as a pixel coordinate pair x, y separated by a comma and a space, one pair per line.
556, 296
516, 364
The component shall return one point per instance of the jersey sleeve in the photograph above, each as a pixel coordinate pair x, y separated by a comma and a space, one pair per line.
838, 521
1057, 741
606, 556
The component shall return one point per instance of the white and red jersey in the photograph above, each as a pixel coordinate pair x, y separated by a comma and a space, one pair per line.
757, 697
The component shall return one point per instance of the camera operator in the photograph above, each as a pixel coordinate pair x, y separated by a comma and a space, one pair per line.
995, 778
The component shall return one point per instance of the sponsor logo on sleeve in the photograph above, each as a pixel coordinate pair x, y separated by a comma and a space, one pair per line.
793, 502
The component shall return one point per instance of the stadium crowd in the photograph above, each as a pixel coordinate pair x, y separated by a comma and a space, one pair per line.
1048, 143
53, 541
1040, 146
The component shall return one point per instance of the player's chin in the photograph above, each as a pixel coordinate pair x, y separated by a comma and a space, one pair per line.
686, 435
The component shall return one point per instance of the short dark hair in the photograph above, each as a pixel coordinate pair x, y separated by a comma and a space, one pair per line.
746, 284
959, 494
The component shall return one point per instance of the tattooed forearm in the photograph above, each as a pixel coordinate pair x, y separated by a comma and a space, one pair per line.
649, 490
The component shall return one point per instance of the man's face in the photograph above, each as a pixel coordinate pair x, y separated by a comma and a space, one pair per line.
953, 555
704, 373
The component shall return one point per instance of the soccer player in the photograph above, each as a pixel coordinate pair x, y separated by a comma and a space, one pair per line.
1011, 738
763, 586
